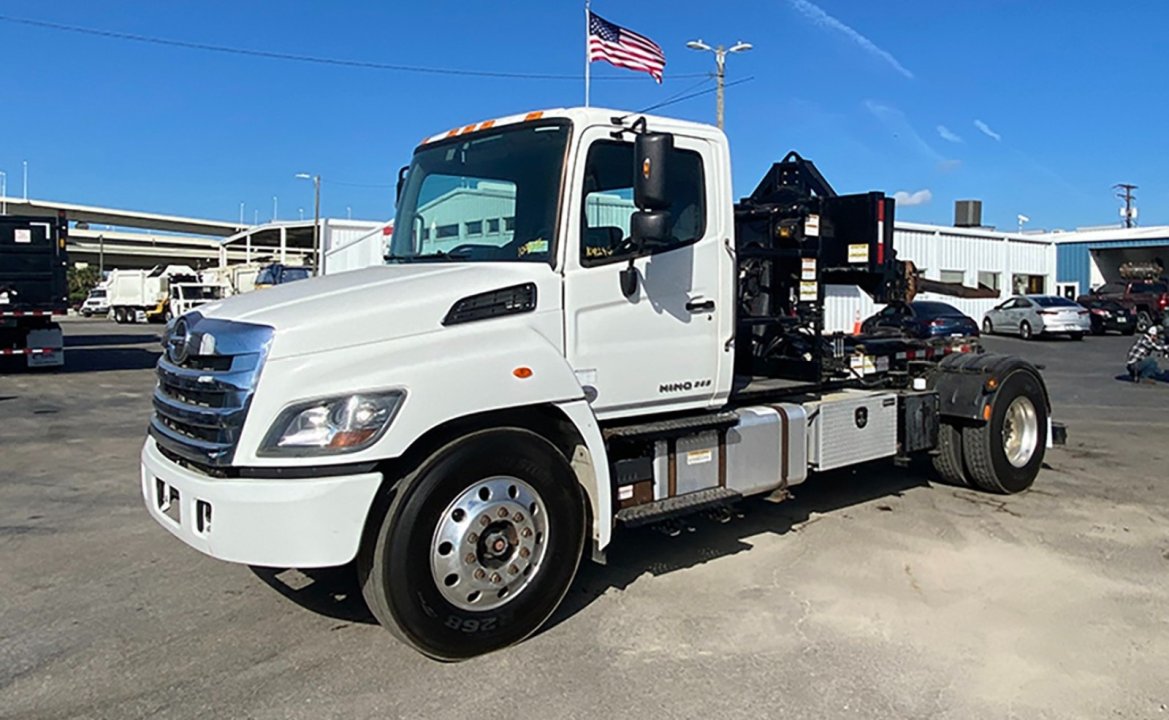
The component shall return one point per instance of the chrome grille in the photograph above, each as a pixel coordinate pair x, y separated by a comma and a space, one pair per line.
206, 379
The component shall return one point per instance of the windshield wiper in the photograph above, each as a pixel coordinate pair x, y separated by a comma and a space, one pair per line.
437, 255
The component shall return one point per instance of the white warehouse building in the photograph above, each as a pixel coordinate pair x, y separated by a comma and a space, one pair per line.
1008, 263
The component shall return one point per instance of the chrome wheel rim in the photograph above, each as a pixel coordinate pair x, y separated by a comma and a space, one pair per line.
1020, 431
489, 543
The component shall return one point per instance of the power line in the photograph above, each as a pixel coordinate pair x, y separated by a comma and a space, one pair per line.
707, 91
272, 55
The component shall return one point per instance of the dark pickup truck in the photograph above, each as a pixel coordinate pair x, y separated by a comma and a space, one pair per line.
1147, 299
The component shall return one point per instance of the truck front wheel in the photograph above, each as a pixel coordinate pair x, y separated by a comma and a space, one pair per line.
1004, 454
478, 547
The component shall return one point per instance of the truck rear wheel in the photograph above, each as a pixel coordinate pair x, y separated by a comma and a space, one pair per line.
1005, 453
119, 315
478, 547
948, 462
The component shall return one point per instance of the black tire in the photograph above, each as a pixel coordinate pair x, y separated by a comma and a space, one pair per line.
394, 567
1144, 320
1130, 330
987, 327
1076, 335
948, 462
1025, 330
1098, 328
983, 445
120, 316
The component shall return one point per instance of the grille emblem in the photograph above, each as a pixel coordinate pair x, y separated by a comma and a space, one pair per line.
178, 345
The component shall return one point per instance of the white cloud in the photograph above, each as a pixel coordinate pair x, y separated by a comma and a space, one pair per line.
906, 199
985, 130
819, 17
948, 134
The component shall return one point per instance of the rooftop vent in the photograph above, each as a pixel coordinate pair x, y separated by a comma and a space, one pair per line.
968, 213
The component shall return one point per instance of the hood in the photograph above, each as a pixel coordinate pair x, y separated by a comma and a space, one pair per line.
375, 304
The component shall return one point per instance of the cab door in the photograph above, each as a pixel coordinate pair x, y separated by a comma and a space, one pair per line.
666, 346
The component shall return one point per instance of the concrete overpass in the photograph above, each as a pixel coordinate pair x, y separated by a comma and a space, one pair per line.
120, 218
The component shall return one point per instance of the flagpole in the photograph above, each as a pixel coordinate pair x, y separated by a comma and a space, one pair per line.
588, 63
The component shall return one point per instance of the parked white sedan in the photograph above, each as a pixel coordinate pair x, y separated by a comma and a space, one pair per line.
1033, 315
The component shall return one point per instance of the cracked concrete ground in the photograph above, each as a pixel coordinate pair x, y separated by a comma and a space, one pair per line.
872, 593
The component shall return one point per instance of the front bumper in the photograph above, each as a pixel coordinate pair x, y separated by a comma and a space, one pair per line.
310, 522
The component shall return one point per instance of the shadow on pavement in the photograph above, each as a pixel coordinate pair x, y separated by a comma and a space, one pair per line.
703, 538
79, 360
332, 592
74, 341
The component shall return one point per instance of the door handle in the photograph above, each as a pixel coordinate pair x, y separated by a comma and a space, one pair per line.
700, 305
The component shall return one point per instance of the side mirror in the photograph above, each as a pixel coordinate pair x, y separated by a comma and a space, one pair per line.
643, 225
401, 183
651, 152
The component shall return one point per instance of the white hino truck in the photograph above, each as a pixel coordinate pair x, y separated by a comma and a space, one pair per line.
577, 329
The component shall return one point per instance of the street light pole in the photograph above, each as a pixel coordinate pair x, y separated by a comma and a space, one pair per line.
101, 256
720, 61
3, 192
317, 259
25, 163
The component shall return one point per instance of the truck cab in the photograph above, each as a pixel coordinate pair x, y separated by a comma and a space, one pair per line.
97, 302
577, 328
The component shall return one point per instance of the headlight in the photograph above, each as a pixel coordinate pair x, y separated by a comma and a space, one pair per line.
332, 425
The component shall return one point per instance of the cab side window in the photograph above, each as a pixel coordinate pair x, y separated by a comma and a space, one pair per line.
608, 202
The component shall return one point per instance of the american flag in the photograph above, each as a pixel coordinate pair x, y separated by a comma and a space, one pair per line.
624, 48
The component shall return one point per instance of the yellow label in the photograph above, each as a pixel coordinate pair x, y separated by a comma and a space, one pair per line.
697, 457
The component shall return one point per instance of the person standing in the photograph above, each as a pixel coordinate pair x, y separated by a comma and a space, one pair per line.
1142, 367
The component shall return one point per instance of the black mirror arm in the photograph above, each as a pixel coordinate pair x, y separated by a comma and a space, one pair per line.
629, 280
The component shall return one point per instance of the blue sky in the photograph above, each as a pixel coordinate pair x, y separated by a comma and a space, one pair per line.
1034, 107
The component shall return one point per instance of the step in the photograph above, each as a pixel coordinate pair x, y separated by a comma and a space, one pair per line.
676, 506
673, 427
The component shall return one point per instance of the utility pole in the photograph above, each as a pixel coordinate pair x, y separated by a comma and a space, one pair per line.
3, 192
101, 257
318, 261
720, 62
1129, 211
25, 163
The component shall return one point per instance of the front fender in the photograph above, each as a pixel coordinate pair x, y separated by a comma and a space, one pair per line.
446, 374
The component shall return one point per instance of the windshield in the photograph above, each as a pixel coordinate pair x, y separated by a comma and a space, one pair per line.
97, 294
493, 197
936, 309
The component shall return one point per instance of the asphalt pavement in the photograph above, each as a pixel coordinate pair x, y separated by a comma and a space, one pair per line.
873, 593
